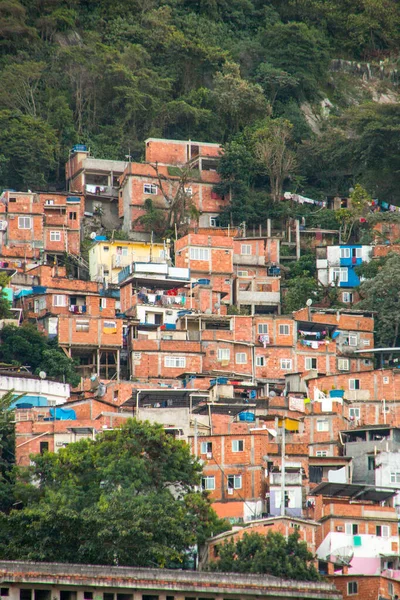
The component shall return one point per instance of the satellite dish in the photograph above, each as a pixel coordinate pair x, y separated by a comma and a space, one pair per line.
309, 302
42, 374
343, 556
217, 305
272, 394
92, 235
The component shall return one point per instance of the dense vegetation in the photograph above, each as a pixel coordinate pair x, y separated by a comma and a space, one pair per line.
271, 554
126, 498
110, 74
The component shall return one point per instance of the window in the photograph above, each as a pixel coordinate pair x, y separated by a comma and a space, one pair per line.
234, 482
4, 591
395, 477
351, 528
109, 325
245, 249
390, 589
122, 250
343, 364
241, 358
103, 302
354, 384
199, 253
106, 248
55, 236
237, 445
208, 482
260, 361
344, 252
24, 223
25, 594
385, 380
243, 273
358, 252
49, 202
347, 297
371, 464
322, 425
44, 447
321, 453
354, 413
150, 188
286, 364
59, 300
188, 191
88, 595
176, 362
284, 329
72, 216
340, 274
382, 530
310, 363
214, 222
205, 447
263, 328
352, 340
82, 325
224, 354
352, 587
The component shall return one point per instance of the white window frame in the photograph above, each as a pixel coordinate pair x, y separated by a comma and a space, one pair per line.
262, 328
214, 221
49, 202
208, 482
321, 453
103, 302
246, 250
24, 223
322, 425
286, 364
150, 188
345, 253
224, 354
358, 252
175, 362
237, 445
205, 447
260, 361
308, 363
341, 274
284, 329
82, 325
198, 253
188, 191
385, 531
347, 297
355, 412
59, 300
236, 483
348, 527
350, 586
395, 477
241, 358
353, 385
343, 364
55, 236
242, 273
352, 339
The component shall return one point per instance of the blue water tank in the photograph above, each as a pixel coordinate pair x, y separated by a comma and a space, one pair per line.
79, 148
247, 416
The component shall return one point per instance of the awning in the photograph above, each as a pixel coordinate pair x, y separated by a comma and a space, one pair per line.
354, 491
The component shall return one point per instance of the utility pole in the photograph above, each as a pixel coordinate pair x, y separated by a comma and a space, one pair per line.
283, 468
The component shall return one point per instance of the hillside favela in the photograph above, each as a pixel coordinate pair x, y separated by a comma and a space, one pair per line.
199, 300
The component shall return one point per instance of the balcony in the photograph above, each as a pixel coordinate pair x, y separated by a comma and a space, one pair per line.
290, 479
249, 259
264, 298
103, 191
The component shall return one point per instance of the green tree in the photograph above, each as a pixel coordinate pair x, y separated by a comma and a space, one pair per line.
382, 295
271, 554
272, 148
300, 289
126, 498
22, 82
359, 207
27, 346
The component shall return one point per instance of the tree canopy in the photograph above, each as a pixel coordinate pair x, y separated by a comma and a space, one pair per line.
128, 498
270, 554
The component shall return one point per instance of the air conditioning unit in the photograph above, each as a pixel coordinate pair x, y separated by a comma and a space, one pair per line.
169, 312
209, 454
339, 528
59, 443
230, 491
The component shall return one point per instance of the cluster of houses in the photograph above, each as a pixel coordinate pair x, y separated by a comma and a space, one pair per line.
295, 426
